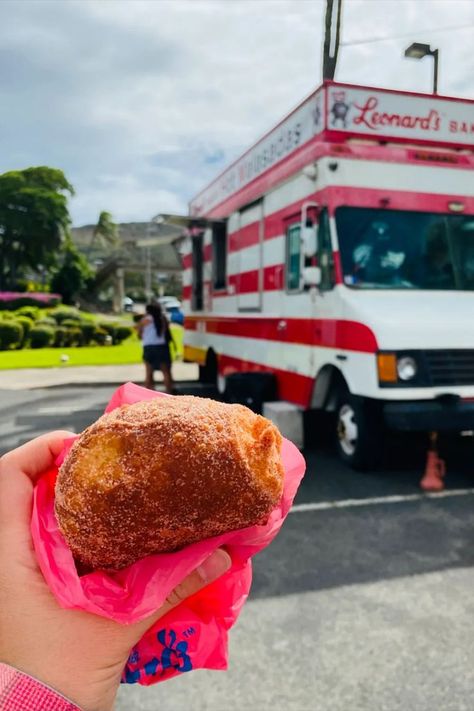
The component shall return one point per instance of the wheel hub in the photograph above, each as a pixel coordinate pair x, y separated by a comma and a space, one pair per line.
347, 430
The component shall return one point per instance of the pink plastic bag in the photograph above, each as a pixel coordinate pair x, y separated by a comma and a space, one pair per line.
192, 635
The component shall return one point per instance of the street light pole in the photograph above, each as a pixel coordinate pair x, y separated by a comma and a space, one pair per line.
435, 71
418, 50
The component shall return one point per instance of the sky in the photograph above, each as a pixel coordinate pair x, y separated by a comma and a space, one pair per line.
142, 103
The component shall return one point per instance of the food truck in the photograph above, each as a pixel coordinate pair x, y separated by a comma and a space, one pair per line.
337, 254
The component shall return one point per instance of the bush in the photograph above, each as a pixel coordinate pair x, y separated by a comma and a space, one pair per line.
13, 300
100, 336
59, 337
71, 323
88, 330
64, 313
41, 336
11, 334
45, 321
27, 325
73, 336
31, 312
110, 328
122, 332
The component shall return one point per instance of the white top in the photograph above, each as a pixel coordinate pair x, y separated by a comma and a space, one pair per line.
149, 334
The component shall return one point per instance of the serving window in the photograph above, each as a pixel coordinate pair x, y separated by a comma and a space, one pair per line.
219, 256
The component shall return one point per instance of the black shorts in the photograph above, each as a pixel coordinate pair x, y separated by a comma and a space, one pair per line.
156, 355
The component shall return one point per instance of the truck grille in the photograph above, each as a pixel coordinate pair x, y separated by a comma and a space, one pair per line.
450, 367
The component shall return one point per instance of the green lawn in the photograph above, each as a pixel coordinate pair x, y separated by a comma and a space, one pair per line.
130, 352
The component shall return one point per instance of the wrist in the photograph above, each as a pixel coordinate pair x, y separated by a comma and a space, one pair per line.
81, 694
19, 690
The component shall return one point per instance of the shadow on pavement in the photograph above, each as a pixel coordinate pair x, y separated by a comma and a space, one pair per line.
322, 549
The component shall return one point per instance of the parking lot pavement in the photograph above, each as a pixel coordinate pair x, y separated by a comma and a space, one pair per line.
364, 601
87, 375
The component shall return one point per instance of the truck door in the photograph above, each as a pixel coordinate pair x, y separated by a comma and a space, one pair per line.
249, 257
197, 281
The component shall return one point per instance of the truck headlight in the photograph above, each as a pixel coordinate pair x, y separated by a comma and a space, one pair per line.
406, 368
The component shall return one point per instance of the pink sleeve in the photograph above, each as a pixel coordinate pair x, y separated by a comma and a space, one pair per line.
20, 692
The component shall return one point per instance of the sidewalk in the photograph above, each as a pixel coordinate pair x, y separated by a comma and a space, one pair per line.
31, 378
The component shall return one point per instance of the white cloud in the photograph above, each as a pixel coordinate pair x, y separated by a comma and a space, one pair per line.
142, 102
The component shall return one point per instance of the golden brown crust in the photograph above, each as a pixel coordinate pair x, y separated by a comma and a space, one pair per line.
160, 474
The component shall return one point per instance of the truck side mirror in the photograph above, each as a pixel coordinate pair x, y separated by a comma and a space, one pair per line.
312, 276
309, 239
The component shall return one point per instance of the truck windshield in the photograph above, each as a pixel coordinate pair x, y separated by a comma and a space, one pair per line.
395, 249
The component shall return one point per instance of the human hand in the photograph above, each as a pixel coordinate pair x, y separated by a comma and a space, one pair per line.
79, 654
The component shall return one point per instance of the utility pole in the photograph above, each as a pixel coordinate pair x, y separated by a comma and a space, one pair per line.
332, 31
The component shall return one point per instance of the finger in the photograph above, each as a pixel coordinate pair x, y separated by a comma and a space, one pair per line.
35, 457
19, 469
212, 568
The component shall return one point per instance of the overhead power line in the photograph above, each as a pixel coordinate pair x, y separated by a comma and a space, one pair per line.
369, 40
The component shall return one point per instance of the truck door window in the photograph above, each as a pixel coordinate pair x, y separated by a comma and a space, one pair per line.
219, 255
197, 284
325, 252
293, 258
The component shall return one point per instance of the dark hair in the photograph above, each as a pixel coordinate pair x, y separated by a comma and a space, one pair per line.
156, 313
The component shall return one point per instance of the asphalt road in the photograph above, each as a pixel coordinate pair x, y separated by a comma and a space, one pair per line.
364, 601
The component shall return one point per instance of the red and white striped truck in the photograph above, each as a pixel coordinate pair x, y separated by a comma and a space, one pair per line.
337, 253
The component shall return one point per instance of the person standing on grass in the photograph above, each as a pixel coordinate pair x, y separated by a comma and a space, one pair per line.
155, 335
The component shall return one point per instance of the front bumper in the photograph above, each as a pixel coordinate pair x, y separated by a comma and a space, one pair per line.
441, 414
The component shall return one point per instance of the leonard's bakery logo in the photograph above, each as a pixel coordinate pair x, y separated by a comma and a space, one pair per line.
173, 657
339, 109
370, 115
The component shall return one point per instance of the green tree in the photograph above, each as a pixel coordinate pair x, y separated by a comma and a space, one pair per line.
105, 231
74, 275
34, 217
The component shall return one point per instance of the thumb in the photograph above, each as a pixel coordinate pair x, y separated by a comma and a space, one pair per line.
212, 568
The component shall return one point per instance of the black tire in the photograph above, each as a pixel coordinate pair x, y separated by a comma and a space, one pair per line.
251, 389
208, 372
359, 432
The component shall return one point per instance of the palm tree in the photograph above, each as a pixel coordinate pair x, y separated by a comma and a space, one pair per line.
105, 231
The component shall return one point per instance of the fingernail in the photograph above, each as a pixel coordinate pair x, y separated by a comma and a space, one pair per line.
214, 566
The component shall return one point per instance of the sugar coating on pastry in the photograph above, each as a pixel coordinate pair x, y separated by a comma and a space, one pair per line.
163, 473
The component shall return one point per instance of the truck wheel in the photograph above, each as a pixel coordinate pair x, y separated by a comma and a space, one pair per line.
251, 389
358, 432
208, 372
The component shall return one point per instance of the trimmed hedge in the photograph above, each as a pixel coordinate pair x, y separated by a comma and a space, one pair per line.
62, 326
32, 312
26, 324
46, 321
100, 336
88, 329
122, 332
73, 337
59, 337
65, 313
71, 322
109, 327
41, 336
11, 334
12, 300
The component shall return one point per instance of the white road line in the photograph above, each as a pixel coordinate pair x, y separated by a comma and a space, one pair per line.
56, 410
395, 499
